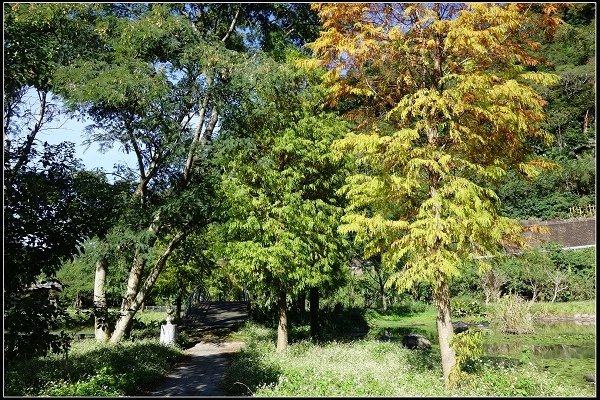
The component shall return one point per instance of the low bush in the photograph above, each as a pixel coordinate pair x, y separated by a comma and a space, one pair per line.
465, 306
512, 314
406, 306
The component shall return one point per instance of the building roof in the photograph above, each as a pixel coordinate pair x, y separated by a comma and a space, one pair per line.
53, 285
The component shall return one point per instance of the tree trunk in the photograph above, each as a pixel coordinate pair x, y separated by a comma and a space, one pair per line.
178, 302
534, 293
302, 305
131, 306
445, 330
100, 307
282, 326
383, 297
314, 312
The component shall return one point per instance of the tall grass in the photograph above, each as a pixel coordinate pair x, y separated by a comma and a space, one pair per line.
92, 369
563, 309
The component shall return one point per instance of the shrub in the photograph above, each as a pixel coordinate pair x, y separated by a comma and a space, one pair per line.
104, 383
407, 306
93, 369
512, 315
468, 347
466, 306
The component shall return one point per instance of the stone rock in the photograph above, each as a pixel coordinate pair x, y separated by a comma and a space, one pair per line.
357, 331
590, 377
386, 337
460, 326
484, 326
415, 341
168, 333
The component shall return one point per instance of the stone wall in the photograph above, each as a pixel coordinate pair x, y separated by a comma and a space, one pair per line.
572, 232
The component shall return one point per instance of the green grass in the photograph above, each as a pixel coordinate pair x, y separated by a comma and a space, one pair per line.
93, 369
151, 316
369, 367
566, 309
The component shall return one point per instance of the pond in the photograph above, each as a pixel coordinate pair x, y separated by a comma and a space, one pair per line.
565, 349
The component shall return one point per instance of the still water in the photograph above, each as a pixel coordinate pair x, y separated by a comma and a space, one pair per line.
565, 349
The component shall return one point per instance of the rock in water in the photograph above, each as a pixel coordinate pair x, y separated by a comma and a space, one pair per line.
460, 326
415, 341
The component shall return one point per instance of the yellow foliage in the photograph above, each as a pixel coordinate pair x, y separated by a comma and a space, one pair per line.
451, 81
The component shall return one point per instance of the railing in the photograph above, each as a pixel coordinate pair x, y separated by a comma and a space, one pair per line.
587, 211
156, 308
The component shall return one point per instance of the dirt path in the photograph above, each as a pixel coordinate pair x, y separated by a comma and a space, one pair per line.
201, 373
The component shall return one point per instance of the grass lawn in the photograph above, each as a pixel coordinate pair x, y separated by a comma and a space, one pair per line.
346, 367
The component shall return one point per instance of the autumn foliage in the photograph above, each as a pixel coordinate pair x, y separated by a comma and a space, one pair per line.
445, 98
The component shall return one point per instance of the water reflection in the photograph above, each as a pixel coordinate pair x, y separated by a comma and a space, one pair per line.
543, 351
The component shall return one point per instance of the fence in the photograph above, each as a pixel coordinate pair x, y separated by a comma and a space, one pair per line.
588, 211
157, 308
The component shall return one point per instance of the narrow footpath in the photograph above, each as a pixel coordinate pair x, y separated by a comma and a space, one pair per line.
202, 371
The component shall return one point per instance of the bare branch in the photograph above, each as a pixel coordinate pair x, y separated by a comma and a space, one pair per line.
26, 150
232, 25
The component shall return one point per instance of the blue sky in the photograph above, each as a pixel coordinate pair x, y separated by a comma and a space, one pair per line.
72, 130
65, 129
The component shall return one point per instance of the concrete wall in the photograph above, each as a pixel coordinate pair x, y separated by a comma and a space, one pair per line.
572, 232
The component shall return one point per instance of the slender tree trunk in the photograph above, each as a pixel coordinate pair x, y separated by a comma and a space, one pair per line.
130, 307
383, 296
282, 325
178, 303
445, 330
534, 293
314, 312
100, 307
302, 305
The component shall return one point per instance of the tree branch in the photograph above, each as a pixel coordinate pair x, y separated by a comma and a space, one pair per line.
26, 150
232, 25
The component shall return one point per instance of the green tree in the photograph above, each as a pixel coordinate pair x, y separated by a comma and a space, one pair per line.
451, 84
169, 78
188, 268
570, 53
279, 185
50, 206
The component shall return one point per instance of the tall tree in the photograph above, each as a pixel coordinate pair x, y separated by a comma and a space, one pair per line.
169, 78
447, 108
279, 186
49, 208
570, 53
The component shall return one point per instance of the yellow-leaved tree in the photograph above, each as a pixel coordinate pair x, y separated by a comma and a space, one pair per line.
444, 99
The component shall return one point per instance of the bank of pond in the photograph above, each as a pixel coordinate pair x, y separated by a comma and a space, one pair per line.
563, 348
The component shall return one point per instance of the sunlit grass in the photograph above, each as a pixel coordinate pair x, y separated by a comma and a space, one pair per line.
570, 308
369, 367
